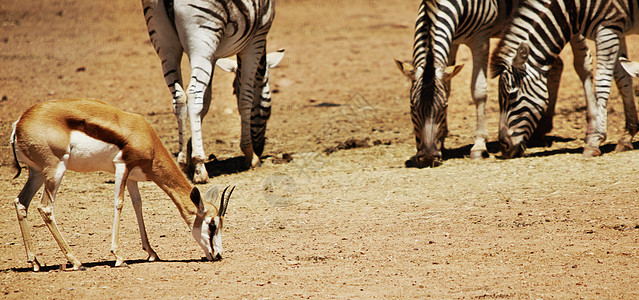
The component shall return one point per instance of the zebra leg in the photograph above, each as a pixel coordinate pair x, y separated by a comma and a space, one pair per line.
545, 123
583, 66
248, 94
478, 86
624, 85
168, 47
201, 74
261, 110
607, 50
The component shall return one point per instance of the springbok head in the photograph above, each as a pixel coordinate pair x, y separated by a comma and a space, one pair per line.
207, 229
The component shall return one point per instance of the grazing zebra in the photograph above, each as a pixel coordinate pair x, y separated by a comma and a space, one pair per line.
207, 30
442, 25
530, 47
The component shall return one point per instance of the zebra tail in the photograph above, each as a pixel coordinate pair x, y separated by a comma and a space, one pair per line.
16, 164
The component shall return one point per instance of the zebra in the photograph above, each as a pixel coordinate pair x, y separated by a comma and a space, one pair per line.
207, 30
441, 26
529, 49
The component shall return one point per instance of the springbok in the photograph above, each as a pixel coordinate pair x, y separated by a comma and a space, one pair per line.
87, 135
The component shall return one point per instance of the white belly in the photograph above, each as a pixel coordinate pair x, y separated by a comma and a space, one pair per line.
87, 154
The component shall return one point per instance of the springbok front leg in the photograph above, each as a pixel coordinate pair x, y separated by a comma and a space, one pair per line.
22, 206
624, 85
121, 175
53, 177
132, 187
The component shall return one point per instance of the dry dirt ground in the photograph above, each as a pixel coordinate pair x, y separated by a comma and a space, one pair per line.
350, 224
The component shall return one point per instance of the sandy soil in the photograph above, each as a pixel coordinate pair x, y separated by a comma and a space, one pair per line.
350, 224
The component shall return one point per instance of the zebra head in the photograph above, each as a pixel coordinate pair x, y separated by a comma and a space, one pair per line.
429, 92
523, 98
207, 228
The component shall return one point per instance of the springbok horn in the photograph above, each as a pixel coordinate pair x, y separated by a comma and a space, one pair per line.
225, 202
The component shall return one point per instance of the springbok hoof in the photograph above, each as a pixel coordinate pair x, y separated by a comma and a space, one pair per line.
153, 257
591, 152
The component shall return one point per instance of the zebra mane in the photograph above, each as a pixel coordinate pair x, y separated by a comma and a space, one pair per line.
510, 39
423, 55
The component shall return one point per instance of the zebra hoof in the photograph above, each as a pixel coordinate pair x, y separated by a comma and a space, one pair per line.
254, 162
200, 175
623, 146
479, 154
591, 152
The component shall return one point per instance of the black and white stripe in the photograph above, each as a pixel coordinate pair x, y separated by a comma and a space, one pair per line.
207, 30
528, 52
441, 26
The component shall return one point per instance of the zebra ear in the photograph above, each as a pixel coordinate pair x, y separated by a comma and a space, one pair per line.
274, 58
227, 64
452, 71
631, 67
406, 68
523, 51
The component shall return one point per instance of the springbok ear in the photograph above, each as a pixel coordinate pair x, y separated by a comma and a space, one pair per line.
197, 200
520, 59
211, 194
452, 71
274, 58
227, 64
631, 67
406, 68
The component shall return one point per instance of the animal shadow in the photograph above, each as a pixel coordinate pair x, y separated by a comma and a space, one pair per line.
216, 167
89, 265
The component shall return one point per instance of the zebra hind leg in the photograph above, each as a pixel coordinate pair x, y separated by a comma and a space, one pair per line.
261, 110
624, 85
249, 93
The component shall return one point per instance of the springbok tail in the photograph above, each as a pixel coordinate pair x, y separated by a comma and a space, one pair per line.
16, 164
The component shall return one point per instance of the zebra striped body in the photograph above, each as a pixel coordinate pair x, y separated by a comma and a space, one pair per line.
207, 30
442, 25
529, 49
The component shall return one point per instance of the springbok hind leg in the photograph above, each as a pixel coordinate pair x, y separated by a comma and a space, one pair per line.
22, 206
132, 186
46, 211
